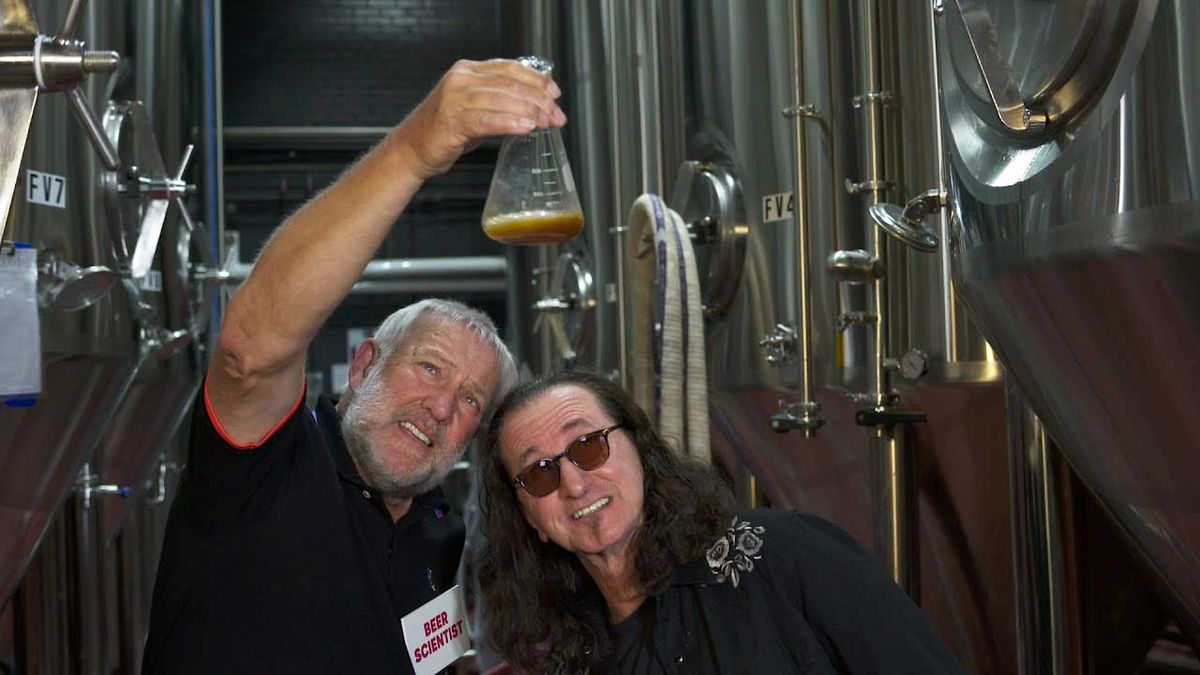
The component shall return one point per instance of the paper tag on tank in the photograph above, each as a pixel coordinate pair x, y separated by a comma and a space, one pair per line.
436, 632
20, 341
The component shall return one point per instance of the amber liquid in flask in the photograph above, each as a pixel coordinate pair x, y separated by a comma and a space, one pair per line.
532, 199
534, 227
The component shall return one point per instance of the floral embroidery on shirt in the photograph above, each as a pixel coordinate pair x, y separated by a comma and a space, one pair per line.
735, 553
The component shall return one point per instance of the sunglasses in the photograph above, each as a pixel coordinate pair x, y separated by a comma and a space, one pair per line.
588, 452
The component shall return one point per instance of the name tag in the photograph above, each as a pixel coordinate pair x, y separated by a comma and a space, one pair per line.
436, 632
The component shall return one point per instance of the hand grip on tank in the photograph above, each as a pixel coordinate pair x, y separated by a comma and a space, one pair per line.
905, 224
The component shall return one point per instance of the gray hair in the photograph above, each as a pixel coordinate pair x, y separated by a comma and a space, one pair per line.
396, 327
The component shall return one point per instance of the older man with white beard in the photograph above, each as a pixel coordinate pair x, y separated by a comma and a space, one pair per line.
300, 538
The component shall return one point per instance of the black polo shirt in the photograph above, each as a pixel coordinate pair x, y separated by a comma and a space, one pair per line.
279, 559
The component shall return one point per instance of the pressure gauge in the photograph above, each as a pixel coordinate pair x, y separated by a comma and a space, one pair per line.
913, 364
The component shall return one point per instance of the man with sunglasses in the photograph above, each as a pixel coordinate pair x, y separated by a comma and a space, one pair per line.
300, 538
609, 552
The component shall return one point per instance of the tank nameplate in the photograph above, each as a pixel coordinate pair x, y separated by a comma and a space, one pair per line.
778, 207
46, 189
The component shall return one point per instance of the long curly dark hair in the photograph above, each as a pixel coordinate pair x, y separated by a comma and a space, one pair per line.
544, 612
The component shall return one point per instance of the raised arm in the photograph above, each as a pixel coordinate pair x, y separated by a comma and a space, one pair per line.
315, 256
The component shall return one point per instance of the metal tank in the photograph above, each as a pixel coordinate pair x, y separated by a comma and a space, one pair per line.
1075, 153
122, 326
173, 308
88, 337
798, 131
810, 107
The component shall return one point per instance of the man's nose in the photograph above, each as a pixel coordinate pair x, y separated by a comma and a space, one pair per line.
440, 403
571, 479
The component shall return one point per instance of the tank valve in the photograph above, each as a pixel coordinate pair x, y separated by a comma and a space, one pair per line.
797, 416
88, 485
780, 346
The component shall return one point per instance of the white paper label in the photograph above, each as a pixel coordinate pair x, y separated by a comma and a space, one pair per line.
151, 282
436, 633
777, 207
46, 189
20, 337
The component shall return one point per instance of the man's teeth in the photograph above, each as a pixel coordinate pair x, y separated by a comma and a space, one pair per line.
417, 432
589, 510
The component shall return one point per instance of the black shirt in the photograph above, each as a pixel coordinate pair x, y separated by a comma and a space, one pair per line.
782, 592
280, 559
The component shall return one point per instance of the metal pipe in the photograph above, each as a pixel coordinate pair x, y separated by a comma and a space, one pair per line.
72, 19
873, 130
1038, 584
809, 409
406, 269
89, 610
103, 146
609, 18
894, 521
895, 503
417, 275
214, 147
950, 302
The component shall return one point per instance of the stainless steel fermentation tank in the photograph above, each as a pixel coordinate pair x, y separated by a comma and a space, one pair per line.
811, 128
123, 315
1074, 134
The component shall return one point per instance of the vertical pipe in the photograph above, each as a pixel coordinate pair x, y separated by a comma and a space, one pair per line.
896, 543
872, 110
949, 301
88, 609
613, 28
894, 521
645, 20
541, 42
214, 145
1039, 593
809, 410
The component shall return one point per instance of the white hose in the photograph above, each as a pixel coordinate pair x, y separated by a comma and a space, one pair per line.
664, 277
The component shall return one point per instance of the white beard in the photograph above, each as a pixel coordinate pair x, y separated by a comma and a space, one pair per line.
368, 409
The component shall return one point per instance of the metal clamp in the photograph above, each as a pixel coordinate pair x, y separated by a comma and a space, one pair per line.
848, 319
780, 345
797, 415
805, 110
883, 98
868, 186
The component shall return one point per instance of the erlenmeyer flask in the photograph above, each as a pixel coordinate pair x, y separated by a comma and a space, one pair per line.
532, 199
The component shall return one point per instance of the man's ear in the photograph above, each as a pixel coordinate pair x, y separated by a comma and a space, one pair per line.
364, 359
